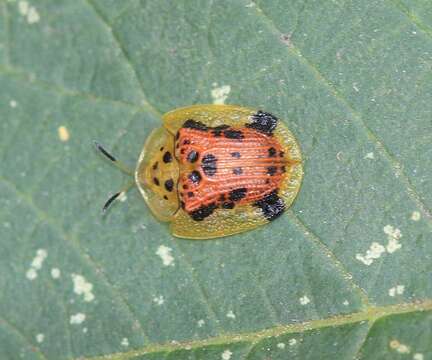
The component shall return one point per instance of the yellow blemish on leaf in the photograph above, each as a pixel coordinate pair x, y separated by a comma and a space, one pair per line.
400, 348
63, 133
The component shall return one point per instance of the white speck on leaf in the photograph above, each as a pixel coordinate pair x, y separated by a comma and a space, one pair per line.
370, 155
374, 252
226, 355
400, 348
33, 16
13, 104
230, 315
77, 319
63, 133
159, 300
415, 216
304, 300
346, 303
36, 264
125, 342
200, 323
355, 87
55, 273
281, 345
292, 342
31, 274
393, 236
83, 287
40, 338
220, 94
28, 11
418, 356
84, 330
23, 8
397, 290
164, 252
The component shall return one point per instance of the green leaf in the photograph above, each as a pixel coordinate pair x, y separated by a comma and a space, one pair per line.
345, 274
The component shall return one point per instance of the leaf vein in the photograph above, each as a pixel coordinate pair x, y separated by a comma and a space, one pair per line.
326, 250
126, 56
74, 242
395, 165
371, 313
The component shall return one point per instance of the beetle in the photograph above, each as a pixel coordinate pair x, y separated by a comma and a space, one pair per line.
216, 170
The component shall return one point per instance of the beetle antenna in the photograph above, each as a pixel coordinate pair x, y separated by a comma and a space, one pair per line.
111, 158
117, 195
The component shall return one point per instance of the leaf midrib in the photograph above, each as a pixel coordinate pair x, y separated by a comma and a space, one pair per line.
371, 314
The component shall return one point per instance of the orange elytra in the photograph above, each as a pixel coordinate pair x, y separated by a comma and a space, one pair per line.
217, 170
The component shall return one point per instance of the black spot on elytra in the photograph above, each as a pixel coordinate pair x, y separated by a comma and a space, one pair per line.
192, 156
186, 142
167, 157
190, 194
235, 154
233, 134
155, 165
161, 149
271, 205
195, 177
271, 170
222, 197
272, 152
237, 171
165, 197
282, 154
208, 164
283, 169
156, 181
169, 185
268, 181
264, 122
237, 194
197, 125
203, 211
182, 151
177, 135
228, 205
185, 186
217, 130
